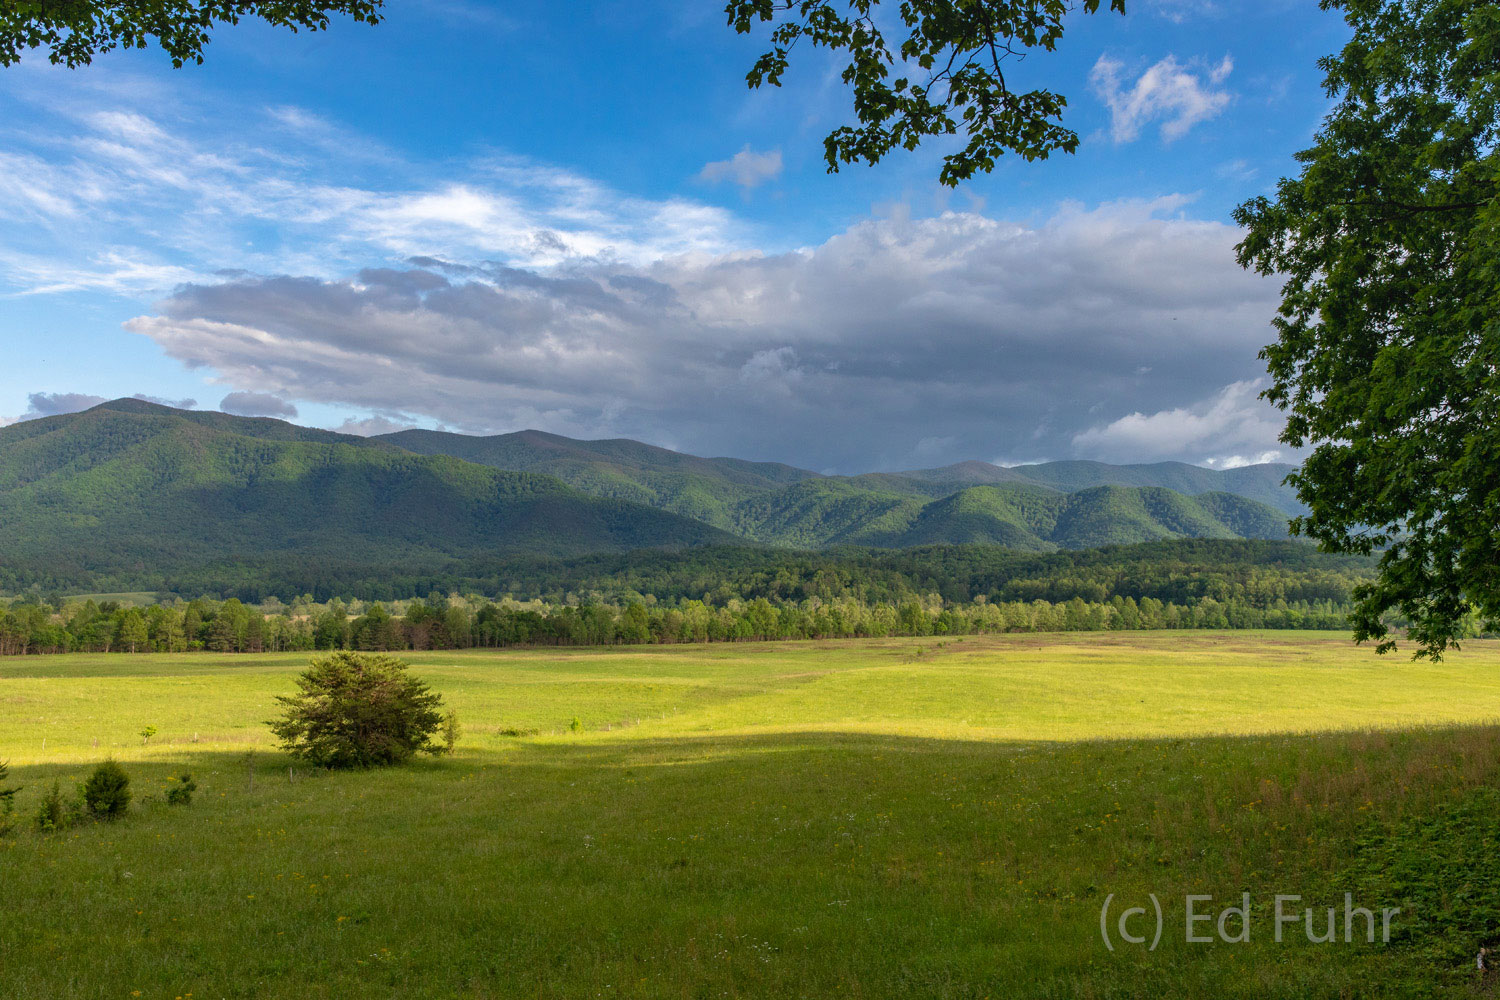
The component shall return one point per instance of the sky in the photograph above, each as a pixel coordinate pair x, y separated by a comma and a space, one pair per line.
577, 218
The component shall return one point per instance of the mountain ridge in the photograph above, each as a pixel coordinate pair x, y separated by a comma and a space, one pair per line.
132, 483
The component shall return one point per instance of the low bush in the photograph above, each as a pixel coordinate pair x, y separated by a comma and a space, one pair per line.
181, 794
359, 710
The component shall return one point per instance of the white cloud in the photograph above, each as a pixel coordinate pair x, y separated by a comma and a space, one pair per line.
1240, 461
1179, 96
1234, 427
746, 168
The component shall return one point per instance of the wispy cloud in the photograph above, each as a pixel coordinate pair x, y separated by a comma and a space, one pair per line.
119, 201
1176, 95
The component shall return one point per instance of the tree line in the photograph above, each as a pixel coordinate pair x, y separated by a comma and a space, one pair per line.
31, 626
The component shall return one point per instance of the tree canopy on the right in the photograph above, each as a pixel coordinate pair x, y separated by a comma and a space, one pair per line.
1387, 361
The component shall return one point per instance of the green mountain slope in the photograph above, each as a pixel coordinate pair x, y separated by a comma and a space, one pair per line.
826, 512
1034, 518
1017, 517
1039, 507
705, 489
129, 484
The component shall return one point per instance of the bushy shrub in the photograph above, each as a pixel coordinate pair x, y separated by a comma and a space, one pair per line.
106, 794
181, 794
359, 710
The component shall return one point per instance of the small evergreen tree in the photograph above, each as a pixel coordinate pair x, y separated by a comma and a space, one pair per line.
359, 710
52, 813
106, 793
451, 731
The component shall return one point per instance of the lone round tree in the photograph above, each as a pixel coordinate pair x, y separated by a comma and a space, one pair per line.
359, 710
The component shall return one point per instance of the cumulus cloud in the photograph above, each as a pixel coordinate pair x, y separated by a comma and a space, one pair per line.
1232, 428
1179, 96
897, 342
746, 168
257, 404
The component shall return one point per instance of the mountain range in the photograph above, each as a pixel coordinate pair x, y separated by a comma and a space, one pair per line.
134, 484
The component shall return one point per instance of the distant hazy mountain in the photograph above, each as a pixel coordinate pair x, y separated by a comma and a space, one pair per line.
1058, 504
134, 484
1257, 482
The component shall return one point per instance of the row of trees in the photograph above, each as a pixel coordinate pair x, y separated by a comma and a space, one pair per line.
459, 623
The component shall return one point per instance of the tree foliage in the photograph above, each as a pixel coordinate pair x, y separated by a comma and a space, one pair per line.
946, 76
72, 32
1389, 327
359, 710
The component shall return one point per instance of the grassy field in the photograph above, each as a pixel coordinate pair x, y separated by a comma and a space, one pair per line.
898, 818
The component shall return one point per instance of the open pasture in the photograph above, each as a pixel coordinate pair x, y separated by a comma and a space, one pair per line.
912, 817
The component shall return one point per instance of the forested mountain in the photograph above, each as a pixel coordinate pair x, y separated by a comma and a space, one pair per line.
782, 505
131, 484
134, 491
705, 489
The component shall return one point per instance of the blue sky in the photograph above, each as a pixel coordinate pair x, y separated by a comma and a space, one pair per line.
576, 217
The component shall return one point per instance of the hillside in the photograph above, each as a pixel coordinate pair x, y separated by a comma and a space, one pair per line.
130, 484
705, 489
134, 491
1036, 519
782, 505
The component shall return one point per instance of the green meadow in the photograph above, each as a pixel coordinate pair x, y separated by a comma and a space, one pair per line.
892, 818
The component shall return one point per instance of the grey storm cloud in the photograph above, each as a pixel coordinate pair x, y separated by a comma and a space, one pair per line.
256, 404
897, 342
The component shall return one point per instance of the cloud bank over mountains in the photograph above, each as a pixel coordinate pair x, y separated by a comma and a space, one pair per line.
509, 294
1125, 332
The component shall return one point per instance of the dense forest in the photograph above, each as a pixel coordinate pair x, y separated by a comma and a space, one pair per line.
727, 593
1181, 570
